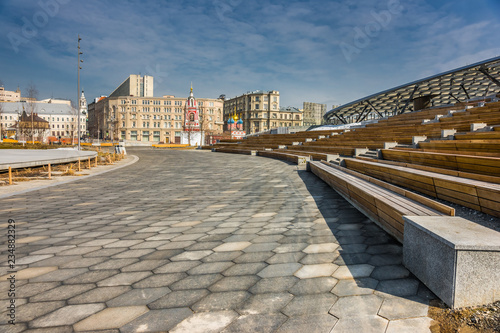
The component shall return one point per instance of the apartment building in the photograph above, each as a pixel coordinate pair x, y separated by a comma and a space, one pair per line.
313, 113
150, 119
260, 111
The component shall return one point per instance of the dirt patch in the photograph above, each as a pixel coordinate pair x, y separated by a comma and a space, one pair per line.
482, 319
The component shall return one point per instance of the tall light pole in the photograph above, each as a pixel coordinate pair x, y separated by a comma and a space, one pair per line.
78, 95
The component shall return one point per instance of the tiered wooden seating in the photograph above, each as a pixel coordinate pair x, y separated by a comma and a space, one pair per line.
475, 164
475, 194
384, 203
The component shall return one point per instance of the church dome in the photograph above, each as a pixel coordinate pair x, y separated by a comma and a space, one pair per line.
230, 121
239, 121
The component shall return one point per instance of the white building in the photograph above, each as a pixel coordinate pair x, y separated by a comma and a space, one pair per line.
62, 119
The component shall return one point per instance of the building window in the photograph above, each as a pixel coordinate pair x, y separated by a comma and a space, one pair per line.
177, 133
257, 98
257, 106
275, 99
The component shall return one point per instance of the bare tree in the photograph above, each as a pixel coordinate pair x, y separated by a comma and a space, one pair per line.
31, 97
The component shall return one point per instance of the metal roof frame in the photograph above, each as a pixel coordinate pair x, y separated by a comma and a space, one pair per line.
461, 84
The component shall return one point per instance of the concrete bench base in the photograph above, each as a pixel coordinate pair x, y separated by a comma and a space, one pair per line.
455, 258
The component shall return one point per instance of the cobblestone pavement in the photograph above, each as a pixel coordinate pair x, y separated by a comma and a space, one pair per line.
194, 241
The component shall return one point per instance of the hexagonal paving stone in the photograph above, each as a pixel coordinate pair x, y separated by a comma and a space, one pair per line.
245, 269
98, 295
210, 268
257, 257
177, 267
313, 271
258, 323
228, 300
232, 246
232, 283
30, 311
196, 282
310, 304
402, 308
361, 286
157, 320
313, 286
123, 279
62, 292
67, 315
265, 303
274, 285
353, 271
390, 272
356, 306
360, 324
308, 323
321, 248
261, 247
399, 287
191, 255
290, 248
110, 318
279, 270
222, 256
142, 296
281, 258
207, 322
179, 299
410, 325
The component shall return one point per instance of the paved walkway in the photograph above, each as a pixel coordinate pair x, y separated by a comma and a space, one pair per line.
193, 241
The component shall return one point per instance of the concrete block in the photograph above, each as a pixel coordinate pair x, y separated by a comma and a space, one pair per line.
477, 126
268, 149
448, 134
416, 139
331, 157
303, 162
457, 259
388, 145
425, 121
308, 140
296, 143
321, 137
253, 152
359, 151
281, 147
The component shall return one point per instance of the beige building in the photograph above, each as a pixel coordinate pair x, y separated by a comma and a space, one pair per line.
260, 111
135, 85
10, 96
150, 119
313, 113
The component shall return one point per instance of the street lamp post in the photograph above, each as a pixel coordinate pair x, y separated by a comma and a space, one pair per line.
78, 95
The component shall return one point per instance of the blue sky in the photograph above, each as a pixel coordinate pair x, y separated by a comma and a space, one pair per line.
329, 52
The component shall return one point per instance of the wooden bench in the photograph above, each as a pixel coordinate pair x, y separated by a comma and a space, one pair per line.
473, 164
479, 195
297, 159
491, 146
461, 174
383, 203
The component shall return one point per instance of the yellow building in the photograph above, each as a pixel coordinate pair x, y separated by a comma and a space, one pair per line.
260, 111
150, 119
